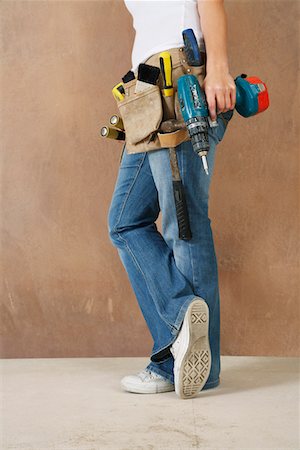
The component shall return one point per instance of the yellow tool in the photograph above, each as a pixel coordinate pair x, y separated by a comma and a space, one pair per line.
118, 92
166, 70
168, 97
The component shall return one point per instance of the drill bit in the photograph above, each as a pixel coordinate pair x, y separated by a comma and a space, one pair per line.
205, 165
203, 154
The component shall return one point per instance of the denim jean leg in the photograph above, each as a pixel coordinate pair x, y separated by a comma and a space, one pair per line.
161, 289
196, 258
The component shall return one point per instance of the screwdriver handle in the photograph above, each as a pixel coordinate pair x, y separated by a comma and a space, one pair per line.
165, 61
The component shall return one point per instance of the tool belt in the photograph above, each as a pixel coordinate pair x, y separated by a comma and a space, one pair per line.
143, 112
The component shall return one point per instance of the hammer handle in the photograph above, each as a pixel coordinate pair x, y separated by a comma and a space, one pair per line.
179, 197
181, 211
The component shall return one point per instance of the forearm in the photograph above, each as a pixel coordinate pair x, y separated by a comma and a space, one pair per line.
214, 28
218, 84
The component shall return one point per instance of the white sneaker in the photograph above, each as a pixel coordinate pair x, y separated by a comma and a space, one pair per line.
147, 382
191, 351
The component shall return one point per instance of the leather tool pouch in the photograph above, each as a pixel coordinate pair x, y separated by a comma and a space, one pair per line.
142, 112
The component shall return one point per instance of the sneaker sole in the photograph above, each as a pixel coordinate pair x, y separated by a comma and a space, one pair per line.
193, 362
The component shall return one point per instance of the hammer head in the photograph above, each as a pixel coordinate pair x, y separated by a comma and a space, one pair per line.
170, 125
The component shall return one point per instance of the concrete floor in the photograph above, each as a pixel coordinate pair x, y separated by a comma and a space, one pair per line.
78, 404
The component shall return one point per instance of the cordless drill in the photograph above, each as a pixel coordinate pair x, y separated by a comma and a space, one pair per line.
251, 99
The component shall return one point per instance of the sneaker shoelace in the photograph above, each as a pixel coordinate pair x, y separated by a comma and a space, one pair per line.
148, 374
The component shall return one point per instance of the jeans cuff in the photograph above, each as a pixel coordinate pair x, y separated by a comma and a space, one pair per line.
181, 314
164, 352
211, 384
155, 369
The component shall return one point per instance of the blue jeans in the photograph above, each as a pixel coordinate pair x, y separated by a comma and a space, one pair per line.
165, 272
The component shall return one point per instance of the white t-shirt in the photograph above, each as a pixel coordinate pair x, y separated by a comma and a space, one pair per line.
159, 25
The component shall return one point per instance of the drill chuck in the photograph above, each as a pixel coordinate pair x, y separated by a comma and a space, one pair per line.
198, 132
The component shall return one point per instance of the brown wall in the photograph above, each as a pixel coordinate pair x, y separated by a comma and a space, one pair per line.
65, 291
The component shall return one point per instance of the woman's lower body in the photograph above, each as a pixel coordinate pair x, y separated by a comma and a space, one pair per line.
166, 273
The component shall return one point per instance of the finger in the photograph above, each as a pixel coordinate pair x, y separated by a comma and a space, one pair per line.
211, 103
220, 101
227, 100
233, 97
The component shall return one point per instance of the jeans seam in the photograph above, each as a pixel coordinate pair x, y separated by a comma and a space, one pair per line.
128, 192
195, 286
